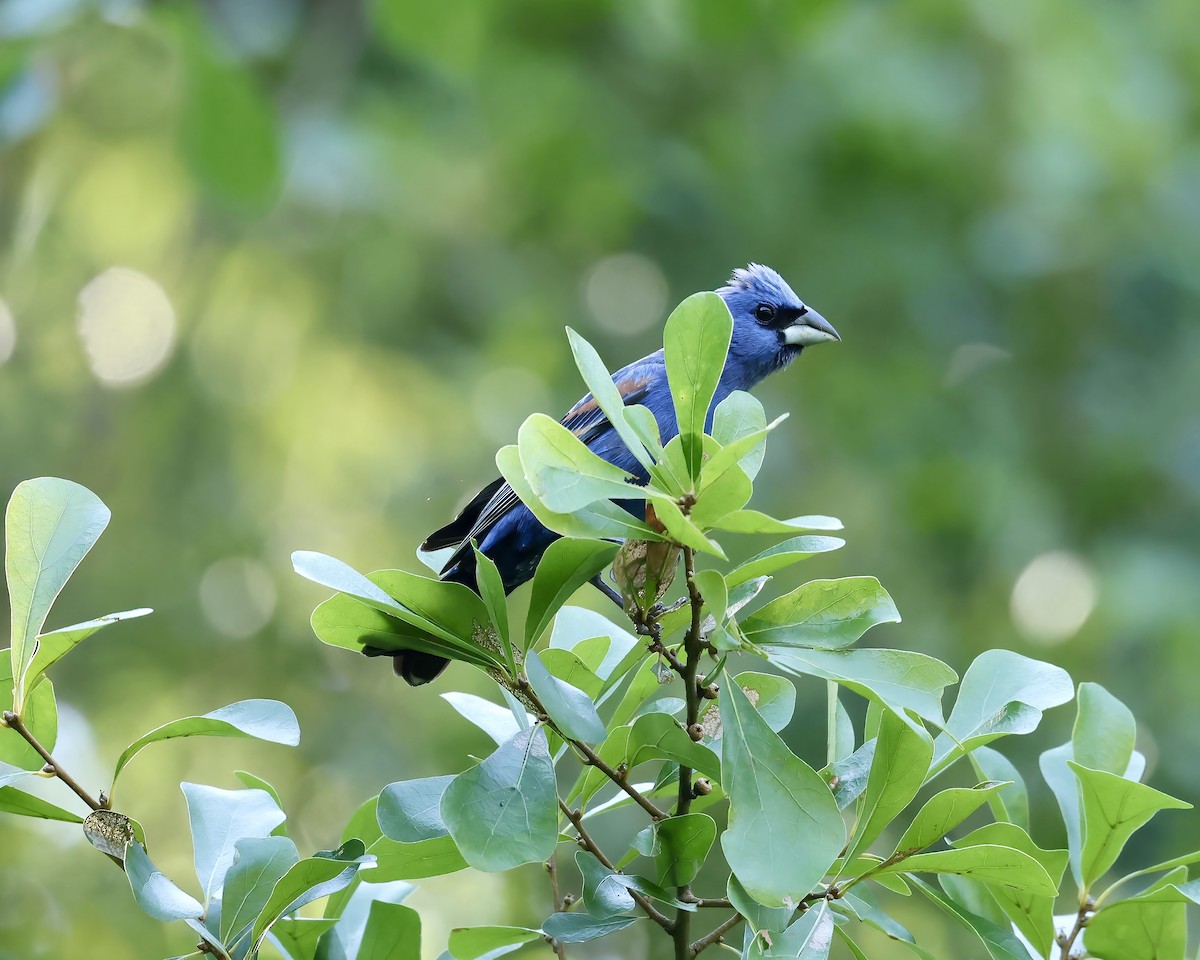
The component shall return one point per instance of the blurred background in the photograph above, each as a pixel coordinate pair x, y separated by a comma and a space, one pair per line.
280, 275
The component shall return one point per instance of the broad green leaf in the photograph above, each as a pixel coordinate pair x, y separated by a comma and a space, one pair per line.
40, 717
683, 531
840, 737
999, 942
491, 591
721, 498
580, 928
862, 906
154, 893
897, 679
456, 608
943, 812
679, 846
782, 555
574, 627
1032, 915
752, 521
24, 804
785, 829
1113, 808
902, 755
413, 861
990, 863
773, 696
695, 344
614, 751
247, 779
602, 895
299, 935
595, 521
1012, 801
257, 866
268, 720
566, 566
49, 527
600, 382
53, 646
487, 943
1152, 926
570, 708
830, 614
738, 416
758, 917
1056, 771
393, 932
219, 818
563, 473
1104, 730
731, 455
848, 778
977, 897
567, 666
496, 721
808, 938
657, 736
410, 810
504, 811
306, 881
1001, 693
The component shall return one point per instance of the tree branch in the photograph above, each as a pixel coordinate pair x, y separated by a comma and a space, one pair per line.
1067, 942
16, 723
552, 868
594, 759
590, 845
717, 935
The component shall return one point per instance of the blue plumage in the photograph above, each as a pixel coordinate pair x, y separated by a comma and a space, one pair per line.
771, 325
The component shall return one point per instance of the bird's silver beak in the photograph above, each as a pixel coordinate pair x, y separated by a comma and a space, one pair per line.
809, 329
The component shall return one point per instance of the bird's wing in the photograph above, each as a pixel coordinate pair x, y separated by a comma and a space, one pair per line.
586, 420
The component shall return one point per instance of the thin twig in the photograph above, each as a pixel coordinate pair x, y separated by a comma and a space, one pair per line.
594, 759
720, 903
716, 936
1081, 919
590, 845
552, 869
52, 766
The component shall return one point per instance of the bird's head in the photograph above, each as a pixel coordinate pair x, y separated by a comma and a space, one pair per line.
771, 325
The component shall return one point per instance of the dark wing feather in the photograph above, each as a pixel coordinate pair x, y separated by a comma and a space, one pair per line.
458, 529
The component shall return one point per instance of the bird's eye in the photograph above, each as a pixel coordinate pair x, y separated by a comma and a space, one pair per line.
764, 313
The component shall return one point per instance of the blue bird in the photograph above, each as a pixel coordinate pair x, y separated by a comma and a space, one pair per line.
771, 326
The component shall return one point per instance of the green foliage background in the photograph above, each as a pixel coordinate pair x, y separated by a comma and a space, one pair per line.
372, 223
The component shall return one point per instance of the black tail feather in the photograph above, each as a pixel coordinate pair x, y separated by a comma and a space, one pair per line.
458, 529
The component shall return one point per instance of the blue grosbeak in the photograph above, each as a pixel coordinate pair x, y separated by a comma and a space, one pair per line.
771, 325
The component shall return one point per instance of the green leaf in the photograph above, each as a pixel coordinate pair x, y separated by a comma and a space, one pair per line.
782, 555
257, 866
758, 917
1104, 731
410, 810
566, 665
752, 521
785, 829
1057, 773
49, 527
487, 943
695, 344
154, 893
1152, 926
902, 755
999, 942
53, 646
724, 496
595, 521
738, 416
683, 531
413, 861
24, 804
989, 863
570, 708
268, 720
308, 880
1012, 802
830, 614
1002, 693
393, 931
576, 627
40, 718
247, 779
808, 938
943, 812
657, 736
580, 928
897, 679
1113, 809
773, 696
299, 935
679, 846
503, 812
848, 778
228, 131
599, 381
563, 473
566, 566
219, 818
491, 591
496, 721
862, 906
723, 459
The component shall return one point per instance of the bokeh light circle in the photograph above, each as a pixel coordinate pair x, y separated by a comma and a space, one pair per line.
237, 595
626, 293
1053, 597
127, 326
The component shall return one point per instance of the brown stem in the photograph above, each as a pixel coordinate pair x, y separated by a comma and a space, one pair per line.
721, 903
552, 868
590, 845
1081, 919
594, 759
715, 937
52, 766
693, 651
